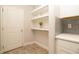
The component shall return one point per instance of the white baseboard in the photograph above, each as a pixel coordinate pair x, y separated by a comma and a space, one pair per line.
28, 43
41, 45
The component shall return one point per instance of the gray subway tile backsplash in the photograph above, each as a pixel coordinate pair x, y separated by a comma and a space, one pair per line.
75, 25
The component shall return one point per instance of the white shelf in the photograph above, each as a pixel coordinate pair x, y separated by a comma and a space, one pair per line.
42, 29
40, 7
41, 16
40, 13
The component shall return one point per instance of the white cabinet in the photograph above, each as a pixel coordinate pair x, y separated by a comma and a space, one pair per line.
69, 11
66, 47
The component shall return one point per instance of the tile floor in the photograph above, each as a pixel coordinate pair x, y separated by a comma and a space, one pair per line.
29, 49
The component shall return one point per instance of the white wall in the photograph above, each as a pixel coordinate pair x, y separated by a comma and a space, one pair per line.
42, 38
27, 25
69, 10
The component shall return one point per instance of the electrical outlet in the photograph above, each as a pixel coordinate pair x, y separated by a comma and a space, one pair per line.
69, 26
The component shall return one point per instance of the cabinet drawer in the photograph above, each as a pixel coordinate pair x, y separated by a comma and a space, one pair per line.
70, 46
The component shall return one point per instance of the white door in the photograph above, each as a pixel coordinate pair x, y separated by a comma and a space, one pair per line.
12, 27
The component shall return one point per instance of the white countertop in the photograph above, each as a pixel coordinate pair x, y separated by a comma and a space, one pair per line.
69, 37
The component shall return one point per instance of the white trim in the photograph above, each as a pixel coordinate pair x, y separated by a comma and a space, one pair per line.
28, 43
41, 45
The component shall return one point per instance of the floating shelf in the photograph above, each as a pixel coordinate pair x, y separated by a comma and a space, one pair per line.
40, 7
41, 16
41, 29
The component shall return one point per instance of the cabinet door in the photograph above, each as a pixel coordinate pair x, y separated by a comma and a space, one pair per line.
69, 10
63, 50
66, 47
